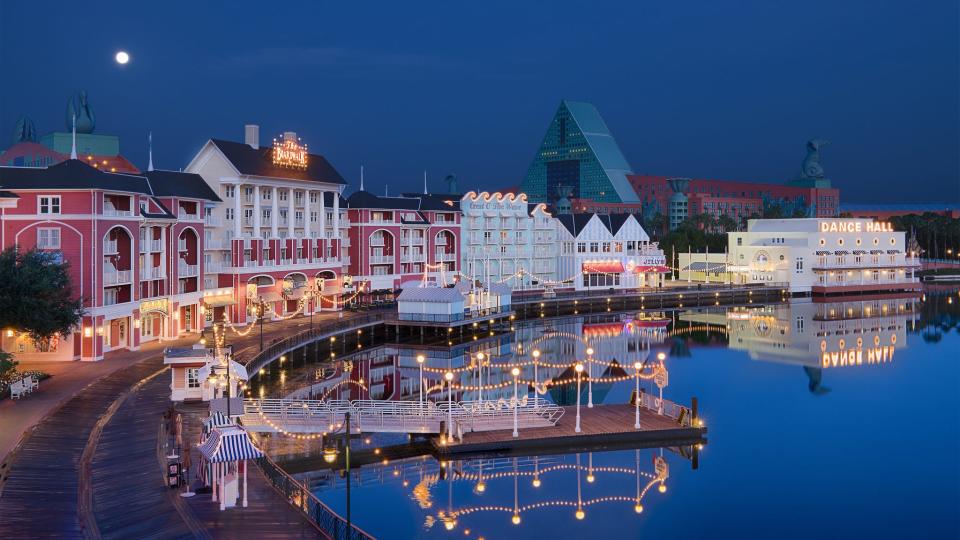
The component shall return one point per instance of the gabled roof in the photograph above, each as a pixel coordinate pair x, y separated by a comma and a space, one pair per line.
71, 174
365, 199
180, 184
442, 295
259, 162
613, 222
574, 222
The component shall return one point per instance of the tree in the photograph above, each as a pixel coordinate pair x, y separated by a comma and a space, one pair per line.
36, 295
727, 223
657, 224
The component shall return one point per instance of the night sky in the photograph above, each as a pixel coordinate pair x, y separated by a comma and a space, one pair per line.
698, 88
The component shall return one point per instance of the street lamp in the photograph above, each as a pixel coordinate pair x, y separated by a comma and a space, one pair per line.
480, 357
260, 309
420, 360
636, 423
516, 373
661, 356
579, 370
589, 377
536, 362
449, 377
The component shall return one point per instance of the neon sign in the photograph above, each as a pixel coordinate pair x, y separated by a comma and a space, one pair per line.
290, 152
855, 226
857, 357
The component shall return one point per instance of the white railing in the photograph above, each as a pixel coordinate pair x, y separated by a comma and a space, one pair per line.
445, 257
214, 267
113, 212
154, 245
151, 273
110, 247
381, 259
188, 216
182, 244
187, 270
212, 221
117, 278
215, 243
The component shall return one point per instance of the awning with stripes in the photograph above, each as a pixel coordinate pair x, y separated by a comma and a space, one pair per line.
219, 300
822, 252
876, 252
603, 267
217, 420
859, 252
841, 252
656, 269
892, 252
229, 444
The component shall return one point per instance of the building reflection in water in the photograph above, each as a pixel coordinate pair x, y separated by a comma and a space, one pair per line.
817, 335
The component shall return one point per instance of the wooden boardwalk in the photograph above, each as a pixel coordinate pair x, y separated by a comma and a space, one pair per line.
39, 498
601, 425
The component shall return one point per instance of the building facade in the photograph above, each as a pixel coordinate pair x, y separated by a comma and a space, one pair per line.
599, 251
507, 240
134, 244
823, 256
398, 240
578, 158
278, 243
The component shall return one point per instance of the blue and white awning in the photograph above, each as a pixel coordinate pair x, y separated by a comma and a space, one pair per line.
229, 444
217, 420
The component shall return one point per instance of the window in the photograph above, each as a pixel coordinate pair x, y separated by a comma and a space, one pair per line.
594, 247
266, 194
283, 195
581, 247
739, 241
50, 204
48, 238
230, 191
313, 197
799, 265
228, 213
313, 217
193, 378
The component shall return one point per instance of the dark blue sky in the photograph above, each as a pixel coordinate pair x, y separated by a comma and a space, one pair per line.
698, 88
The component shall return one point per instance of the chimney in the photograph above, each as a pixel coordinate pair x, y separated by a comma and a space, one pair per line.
251, 135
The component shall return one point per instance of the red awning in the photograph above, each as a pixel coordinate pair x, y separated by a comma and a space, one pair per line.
602, 329
603, 267
658, 269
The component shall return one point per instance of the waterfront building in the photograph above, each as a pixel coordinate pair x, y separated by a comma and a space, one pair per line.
398, 240
823, 256
578, 158
508, 240
279, 241
886, 211
599, 251
455, 305
134, 245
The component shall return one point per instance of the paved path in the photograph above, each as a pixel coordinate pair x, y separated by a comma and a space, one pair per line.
39, 498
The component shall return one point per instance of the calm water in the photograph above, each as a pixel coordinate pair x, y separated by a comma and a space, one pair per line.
825, 420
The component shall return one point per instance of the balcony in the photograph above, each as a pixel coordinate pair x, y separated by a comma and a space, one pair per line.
446, 257
212, 221
188, 216
375, 242
113, 212
248, 222
182, 244
118, 277
440, 241
381, 259
147, 274
110, 247
155, 245
215, 243
214, 267
412, 258
110, 297
187, 270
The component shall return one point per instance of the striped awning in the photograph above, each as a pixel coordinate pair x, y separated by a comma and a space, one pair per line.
822, 252
656, 269
892, 251
859, 252
841, 252
701, 266
229, 444
217, 420
876, 252
603, 267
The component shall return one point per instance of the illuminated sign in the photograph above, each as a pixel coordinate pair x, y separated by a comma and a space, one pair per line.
159, 305
855, 226
289, 152
857, 357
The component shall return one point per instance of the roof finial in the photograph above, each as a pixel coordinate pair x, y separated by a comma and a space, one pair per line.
361, 178
150, 151
424, 182
73, 148
386, 190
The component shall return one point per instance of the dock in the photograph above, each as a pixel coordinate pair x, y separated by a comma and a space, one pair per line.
601, 426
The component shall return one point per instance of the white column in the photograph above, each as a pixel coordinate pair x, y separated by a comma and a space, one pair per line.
323, 215
256, 212
291, 214
306, 215
336, 217
275, 214
237, 213
245, 465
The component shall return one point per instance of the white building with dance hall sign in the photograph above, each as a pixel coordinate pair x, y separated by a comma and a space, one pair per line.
823, 256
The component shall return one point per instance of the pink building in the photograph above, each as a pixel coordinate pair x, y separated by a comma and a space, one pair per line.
396, 240
134, 243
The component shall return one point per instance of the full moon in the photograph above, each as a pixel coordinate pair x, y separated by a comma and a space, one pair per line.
122, 57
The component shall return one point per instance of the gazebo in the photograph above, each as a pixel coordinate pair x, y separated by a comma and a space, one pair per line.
224, 448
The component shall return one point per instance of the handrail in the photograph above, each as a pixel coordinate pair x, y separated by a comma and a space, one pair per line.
301, 498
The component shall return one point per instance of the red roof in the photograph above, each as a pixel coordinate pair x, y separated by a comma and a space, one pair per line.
603, 267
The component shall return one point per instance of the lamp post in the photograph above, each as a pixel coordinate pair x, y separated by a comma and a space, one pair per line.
449, 378
580, 514
589, 377
420, 360
260, 311
579, 370
536, 377
346, 422
480, 357
516, 373
636, 422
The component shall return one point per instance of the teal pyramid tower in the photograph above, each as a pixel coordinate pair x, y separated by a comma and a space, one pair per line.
578, 158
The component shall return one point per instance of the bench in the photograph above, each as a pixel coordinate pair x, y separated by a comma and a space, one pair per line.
17, 390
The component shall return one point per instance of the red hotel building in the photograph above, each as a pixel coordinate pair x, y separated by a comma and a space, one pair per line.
133, 242
397, 239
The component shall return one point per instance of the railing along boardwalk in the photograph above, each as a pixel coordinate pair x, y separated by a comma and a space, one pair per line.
371, 416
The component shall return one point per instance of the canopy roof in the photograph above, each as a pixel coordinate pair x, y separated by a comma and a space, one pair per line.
229, 443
